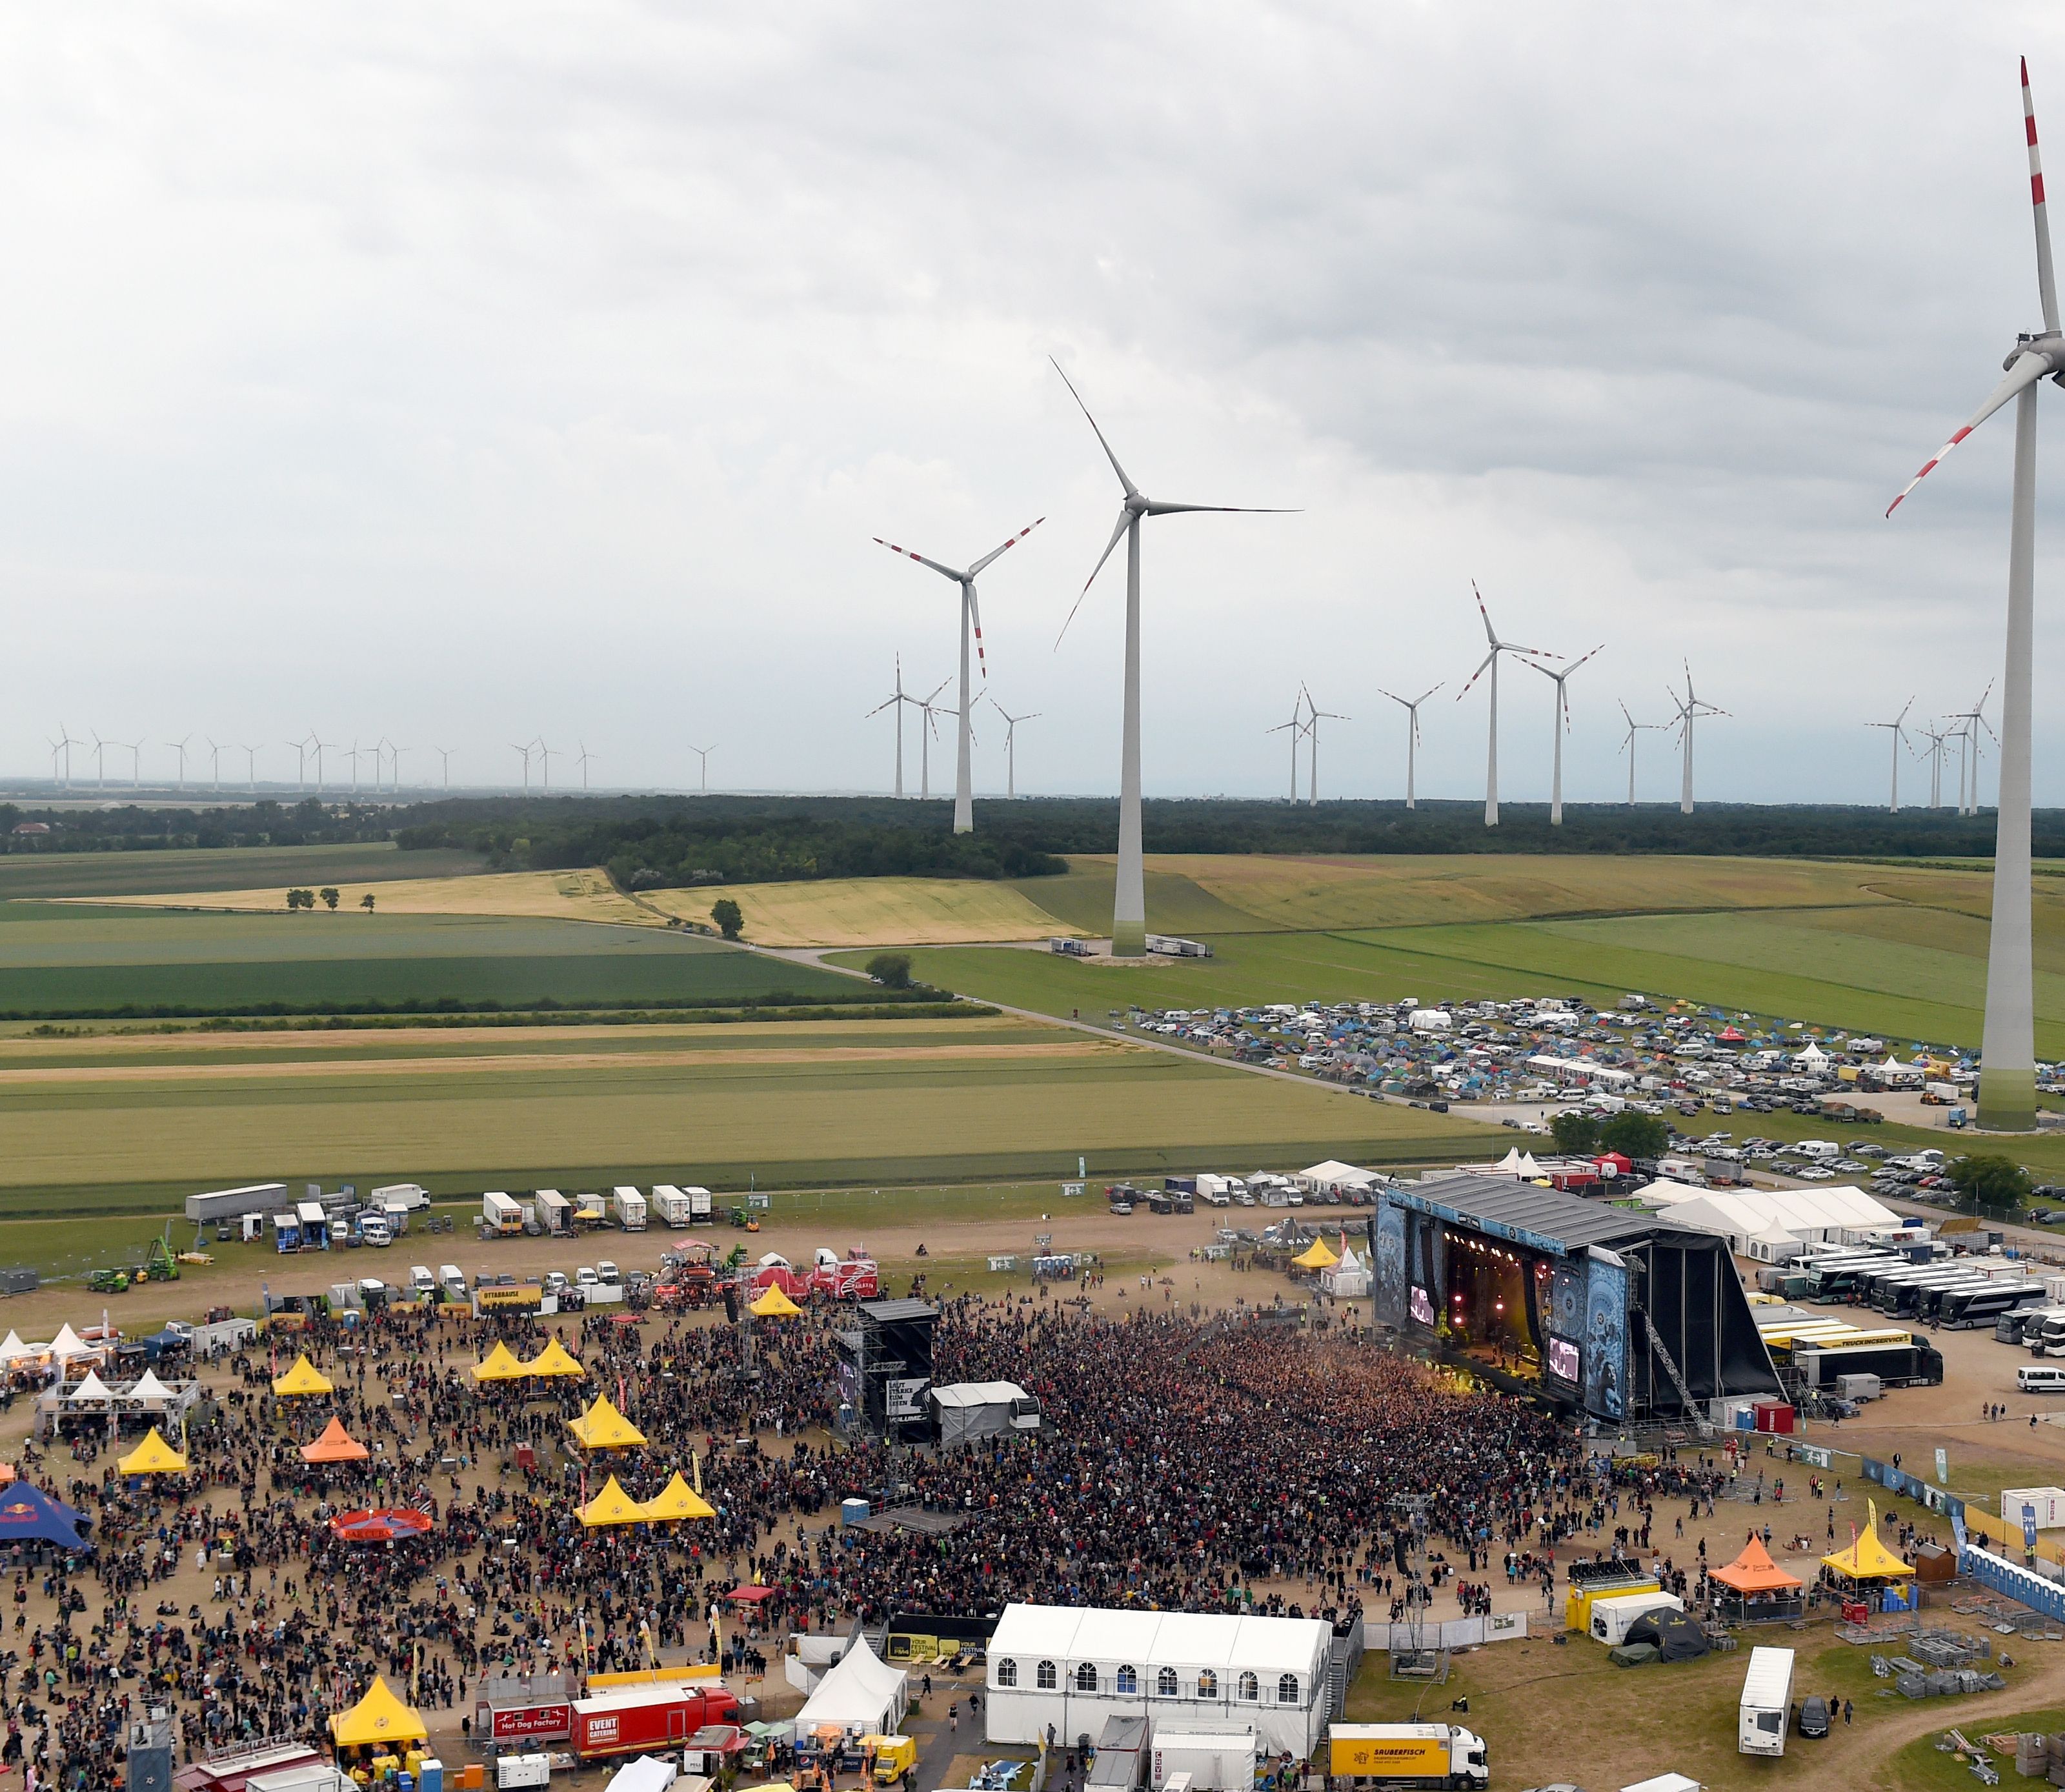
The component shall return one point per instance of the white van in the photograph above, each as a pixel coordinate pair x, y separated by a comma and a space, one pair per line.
2039, 1379
420, 1279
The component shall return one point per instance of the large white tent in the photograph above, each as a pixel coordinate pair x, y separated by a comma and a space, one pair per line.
862, 1692
1066, 1669
966, 1411
1752, 1219
1335, 1175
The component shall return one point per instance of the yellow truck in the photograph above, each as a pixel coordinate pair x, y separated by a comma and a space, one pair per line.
1439, 1756
895, 1756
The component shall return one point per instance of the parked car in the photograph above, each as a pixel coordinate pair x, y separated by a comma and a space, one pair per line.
1814, 1717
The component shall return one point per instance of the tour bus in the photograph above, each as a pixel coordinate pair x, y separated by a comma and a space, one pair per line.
2020, 1324
1923, 1300
1963, 1311
1834, 1278
2047, 1339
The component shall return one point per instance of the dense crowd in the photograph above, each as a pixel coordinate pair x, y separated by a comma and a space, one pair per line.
1229, 1465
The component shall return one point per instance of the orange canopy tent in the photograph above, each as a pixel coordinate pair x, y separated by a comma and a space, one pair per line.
336, 1445
1754, 1571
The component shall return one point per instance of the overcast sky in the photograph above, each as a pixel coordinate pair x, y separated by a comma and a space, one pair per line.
472, 373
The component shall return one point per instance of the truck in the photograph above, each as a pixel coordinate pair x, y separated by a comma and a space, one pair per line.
500, 1215
702, 1205
642, 1720
233, 1204
670, 1204
1435, 1755
629, 1207
1767, 1702
854, 1277
408, 1195
556, 1213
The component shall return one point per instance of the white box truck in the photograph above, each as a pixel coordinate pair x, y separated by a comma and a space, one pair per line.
500, 1214
1408, 1754
701, 1204
1767, 1702
628, 1207
410, 1195
1612, 1617
1213, 1191
1210, 1760
556, 1213
670, 1204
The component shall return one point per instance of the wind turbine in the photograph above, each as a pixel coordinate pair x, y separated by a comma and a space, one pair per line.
64, 743
394, 761
352, 754
1689, 710
703, 754
2008, 1082
1898, 729
57, 747
214, 763
99, 759
300, 764
928, 731
321, 747
1627, 745
1314, 716
1491, 660
1411, 705
1936, 738
546, 755
1129, 912
444, 753
971, 617
251, 766
583, 760
135, 762
1010, 743
1297, 726
1971, 749
179, 747
526, 752
1559, 725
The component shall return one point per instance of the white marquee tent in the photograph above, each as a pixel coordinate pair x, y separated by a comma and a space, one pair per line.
861, 1693
1065, 1669
1752, 1219
1347, 1279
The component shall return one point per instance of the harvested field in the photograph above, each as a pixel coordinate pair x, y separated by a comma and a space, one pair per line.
586, 895
873, 911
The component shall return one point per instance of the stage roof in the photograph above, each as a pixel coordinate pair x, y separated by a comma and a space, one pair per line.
1545, 1219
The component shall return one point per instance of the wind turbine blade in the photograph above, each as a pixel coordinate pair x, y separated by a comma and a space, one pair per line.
2027, 370
1132, 491
1477, 675
2047, 287
1155, 509
887, 703
911, 553
1489, 635
1426, 693
1013, 543
975, 616
1574, 664
936, 688
1124, 519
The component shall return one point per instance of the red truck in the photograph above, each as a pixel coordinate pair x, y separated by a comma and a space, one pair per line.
638, 1720
856, 1278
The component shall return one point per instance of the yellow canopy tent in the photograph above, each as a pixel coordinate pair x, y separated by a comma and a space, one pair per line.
1317, 1256
774, 1304
500, 1364
678, 1500
379, 1717
553, 1360
602, 1427
1868, 1558
152, 1456
303, 1379
613, 1505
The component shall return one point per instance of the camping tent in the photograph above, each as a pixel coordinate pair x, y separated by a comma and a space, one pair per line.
30, 1515
678, 1500
152, 1456
862, 1692
304, 1378
378, 1719
602, 1427
554, 1359
612, 1506
336, 1445
498, 1364
775, 1305
1674, 1637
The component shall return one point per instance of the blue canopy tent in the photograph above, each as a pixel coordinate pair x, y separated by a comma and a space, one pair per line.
29, 1515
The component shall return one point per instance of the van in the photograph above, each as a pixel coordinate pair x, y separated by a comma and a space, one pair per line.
421, 1282
2039, 1379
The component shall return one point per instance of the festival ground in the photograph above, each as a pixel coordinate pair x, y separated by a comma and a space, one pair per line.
1624, 1723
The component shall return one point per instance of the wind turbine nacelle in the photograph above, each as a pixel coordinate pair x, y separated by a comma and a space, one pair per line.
2049, 343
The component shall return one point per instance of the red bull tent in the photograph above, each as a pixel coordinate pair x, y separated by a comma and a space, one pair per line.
30, 1515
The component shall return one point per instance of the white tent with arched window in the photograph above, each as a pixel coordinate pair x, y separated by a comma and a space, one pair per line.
1066, 1669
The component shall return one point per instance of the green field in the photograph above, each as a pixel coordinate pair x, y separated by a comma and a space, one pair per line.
76, 874
65, 959
126, 1124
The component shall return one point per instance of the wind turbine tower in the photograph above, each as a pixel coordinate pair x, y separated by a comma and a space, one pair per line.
179, 747
1128, 909
971, 620
1010, 744
1313, 718
1689, 709
1559, 725
1296, 725
2007, 1080
1628, 746
703, 754
1491, 660
1897, 728
250, 767
896, 700
928, 731
1411, 705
